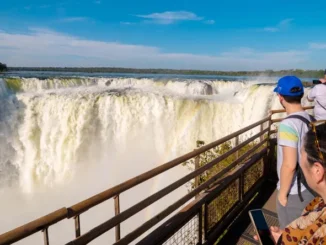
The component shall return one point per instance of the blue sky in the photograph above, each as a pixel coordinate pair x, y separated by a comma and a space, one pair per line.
207, 34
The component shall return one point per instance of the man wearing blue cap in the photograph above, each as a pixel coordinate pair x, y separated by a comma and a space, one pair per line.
293, 195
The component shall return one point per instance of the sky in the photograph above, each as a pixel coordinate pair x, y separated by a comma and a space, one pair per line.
178, 34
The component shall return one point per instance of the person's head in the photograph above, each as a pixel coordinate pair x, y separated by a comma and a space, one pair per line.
290, 91
313, 157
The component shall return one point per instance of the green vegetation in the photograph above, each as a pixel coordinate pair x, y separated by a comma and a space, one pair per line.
296, 72
222, 204
14, 84
210, 155
3, 67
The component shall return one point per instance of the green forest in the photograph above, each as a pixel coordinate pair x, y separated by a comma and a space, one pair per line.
296, 72
3, 67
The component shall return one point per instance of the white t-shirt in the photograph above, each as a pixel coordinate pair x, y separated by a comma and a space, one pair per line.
318, 93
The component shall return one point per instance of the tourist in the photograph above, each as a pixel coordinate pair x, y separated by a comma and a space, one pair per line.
292, 195
318, 94
310, 227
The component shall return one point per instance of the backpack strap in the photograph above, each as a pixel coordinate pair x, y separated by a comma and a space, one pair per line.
298, 167
321, 105
303, 119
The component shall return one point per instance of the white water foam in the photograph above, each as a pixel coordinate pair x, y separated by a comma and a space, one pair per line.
67, 139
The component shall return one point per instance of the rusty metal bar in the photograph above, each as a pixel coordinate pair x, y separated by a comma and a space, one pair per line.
117, 212
105, 195
206, 219
46, 236
236, 144
77, 226
181, 218
166, 230
241, 187
223, 184
277, 120
33, 227
219, 228
197, 178
158, 195
104, 227
283, 110
261, 129
200, 226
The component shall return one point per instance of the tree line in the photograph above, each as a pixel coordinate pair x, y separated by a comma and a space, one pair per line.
3, 67
295, 72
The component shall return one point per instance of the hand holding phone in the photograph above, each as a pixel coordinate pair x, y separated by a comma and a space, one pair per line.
262, 230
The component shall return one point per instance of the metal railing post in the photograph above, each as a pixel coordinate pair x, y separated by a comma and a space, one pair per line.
261, 129
241, 187
77, 226
236, 144
46, 236
117, 211
200, 226
198, 176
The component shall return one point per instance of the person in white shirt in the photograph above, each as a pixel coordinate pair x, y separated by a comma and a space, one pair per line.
318, 94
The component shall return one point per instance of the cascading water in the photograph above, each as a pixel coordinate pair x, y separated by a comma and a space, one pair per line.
54, 131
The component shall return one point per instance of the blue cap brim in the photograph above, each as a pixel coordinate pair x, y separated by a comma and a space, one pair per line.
275, 89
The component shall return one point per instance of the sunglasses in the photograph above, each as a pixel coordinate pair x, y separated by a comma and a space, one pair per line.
314, 125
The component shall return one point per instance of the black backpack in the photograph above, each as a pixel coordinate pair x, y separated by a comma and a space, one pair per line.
300, 175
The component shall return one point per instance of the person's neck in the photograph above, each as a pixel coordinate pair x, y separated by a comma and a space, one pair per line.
293, 108
322, 193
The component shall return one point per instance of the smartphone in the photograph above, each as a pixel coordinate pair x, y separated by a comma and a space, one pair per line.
262, 230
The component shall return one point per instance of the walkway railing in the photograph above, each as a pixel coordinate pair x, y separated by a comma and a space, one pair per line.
220, 196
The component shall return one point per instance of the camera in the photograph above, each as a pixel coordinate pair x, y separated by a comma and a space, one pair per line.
316, 82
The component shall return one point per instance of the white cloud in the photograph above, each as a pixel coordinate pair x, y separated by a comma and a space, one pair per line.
170, 17
126, 23
42, 47
73, 19
271, 29
285, 22
317, 45
280, 26
209, 22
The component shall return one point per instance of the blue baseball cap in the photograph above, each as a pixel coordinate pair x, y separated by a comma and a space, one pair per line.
289, 86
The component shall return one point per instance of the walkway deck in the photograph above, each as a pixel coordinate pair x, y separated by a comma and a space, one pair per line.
242, 232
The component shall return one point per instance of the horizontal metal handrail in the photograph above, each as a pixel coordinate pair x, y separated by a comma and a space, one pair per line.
63, 213
105, 195
33, 227
283, 110
218, 187
95, 232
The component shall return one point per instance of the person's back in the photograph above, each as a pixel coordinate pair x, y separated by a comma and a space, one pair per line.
318, 94
292, 198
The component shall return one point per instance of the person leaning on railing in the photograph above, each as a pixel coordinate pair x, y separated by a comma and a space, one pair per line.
310, 227
318, 94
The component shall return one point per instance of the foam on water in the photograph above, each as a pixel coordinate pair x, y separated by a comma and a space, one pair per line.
84, 135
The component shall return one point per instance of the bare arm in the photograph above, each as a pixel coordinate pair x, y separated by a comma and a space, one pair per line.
287, 170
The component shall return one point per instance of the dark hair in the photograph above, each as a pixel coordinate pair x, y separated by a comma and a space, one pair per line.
293, 99
311, 147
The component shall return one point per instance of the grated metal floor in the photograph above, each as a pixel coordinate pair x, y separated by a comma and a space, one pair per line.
247, 236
